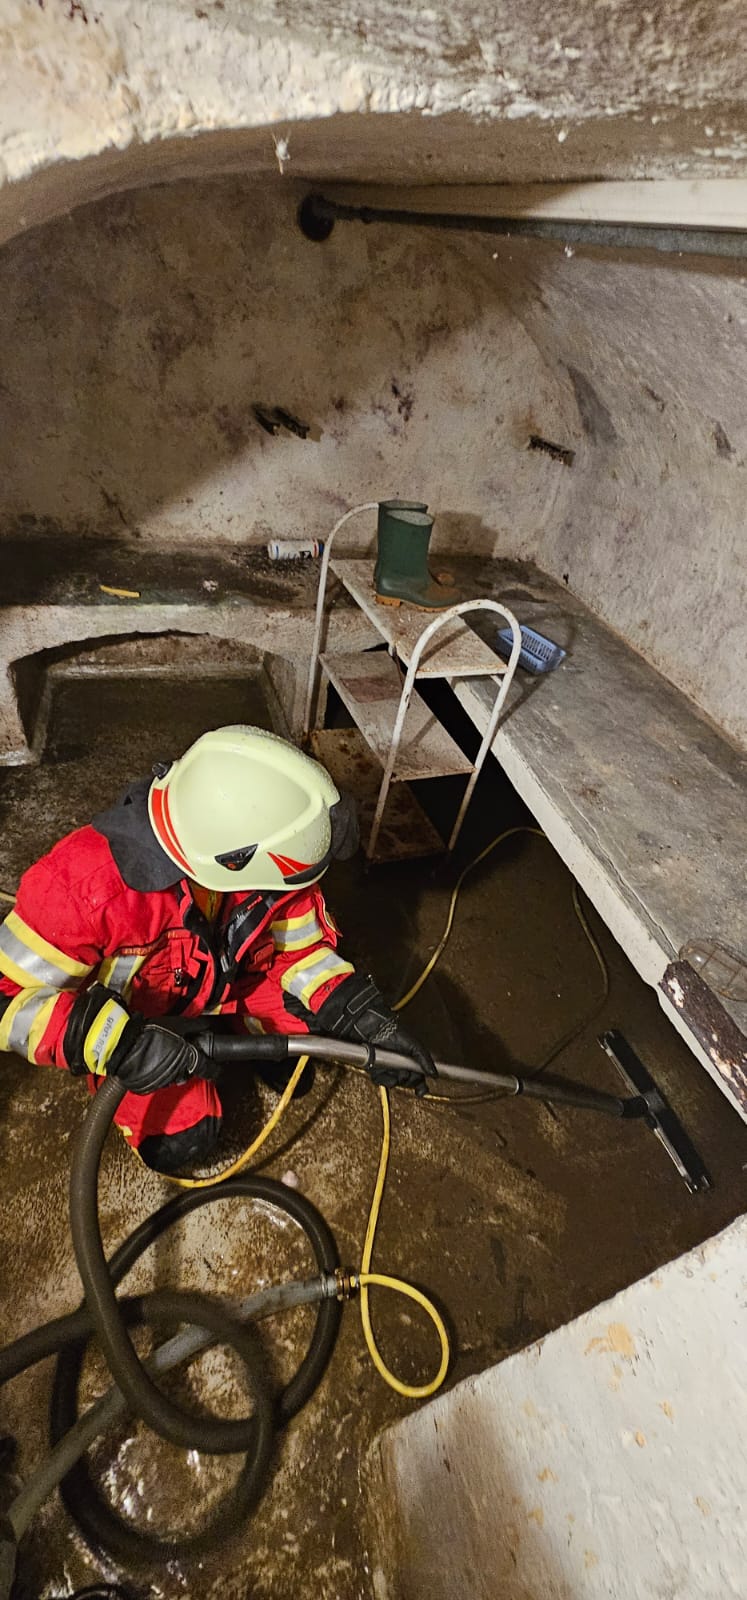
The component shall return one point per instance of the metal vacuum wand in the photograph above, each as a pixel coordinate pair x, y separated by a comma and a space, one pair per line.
649, 1104
284, 1047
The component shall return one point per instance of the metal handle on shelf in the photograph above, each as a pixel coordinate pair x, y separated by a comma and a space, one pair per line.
370, 505
406, 696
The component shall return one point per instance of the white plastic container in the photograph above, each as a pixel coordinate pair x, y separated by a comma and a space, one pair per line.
294, 549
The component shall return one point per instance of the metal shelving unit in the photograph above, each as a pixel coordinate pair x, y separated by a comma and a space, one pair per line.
399, 731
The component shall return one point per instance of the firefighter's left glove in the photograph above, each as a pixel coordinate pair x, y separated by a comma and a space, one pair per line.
356, 1009
104, 1038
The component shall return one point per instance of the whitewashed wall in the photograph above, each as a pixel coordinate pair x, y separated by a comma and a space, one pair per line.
96, 97
136, 336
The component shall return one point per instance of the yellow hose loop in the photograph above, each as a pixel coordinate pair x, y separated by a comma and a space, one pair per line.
264, 1133
366, 1277
410, 1391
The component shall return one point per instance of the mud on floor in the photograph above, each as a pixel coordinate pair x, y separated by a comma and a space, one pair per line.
513, 1218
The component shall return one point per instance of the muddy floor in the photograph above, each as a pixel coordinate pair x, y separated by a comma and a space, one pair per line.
513, 1218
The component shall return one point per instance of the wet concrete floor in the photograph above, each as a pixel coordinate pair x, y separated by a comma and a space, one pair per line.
514, 1218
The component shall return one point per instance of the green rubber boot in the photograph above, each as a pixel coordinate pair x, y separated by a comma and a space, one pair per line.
401, 574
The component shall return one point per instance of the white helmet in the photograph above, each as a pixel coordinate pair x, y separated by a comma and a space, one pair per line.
243, 809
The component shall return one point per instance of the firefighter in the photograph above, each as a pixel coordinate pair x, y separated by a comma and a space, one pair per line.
196, 894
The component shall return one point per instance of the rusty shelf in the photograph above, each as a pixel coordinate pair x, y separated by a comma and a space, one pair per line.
370, 685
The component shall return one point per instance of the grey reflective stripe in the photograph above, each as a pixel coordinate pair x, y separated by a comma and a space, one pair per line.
296, 938
297, 981
38, 969
26, 1016
120, 971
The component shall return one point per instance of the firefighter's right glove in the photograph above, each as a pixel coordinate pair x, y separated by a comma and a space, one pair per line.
104, 1038
356, 1009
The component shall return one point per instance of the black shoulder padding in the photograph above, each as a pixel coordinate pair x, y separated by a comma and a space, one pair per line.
133, 844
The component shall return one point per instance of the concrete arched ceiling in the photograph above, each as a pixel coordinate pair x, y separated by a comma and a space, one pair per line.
98, 95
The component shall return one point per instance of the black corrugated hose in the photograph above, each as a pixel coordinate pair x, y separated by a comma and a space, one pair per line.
108, 1318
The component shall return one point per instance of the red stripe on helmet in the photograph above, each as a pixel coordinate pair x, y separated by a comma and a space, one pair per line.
287, 865
164, 827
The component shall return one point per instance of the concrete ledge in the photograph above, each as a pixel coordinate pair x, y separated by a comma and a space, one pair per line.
641, 796
274, 629
608, 1459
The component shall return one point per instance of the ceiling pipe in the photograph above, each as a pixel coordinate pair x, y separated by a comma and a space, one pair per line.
317, 217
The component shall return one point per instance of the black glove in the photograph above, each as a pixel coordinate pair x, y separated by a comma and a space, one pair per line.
356, 1009
103, 1037
154, 1057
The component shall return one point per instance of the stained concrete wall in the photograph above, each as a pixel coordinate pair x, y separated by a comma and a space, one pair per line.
126, 92
609, 1459
651, 533
137, 335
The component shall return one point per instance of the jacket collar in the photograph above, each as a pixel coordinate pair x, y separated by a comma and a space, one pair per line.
137, 854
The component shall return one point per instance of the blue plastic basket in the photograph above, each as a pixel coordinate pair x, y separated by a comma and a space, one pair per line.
537, 653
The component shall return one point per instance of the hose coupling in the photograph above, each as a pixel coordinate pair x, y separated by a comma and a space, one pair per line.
347, 1283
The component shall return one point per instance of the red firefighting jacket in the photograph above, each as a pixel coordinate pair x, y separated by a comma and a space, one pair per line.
78, 919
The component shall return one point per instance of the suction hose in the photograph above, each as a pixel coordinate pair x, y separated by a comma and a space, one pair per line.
143, 1396
110, 1319
210, 1322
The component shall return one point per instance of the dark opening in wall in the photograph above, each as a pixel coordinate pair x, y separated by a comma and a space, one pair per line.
558, 452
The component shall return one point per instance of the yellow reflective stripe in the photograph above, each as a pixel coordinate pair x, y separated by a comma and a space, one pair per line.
295, 922
25, 1020
117, 972
104, 1035
25, 956
292, 933
307, 975
253, 1025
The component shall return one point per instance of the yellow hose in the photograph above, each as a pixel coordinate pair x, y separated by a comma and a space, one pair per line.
443, 941
264, 1133
366, 1278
